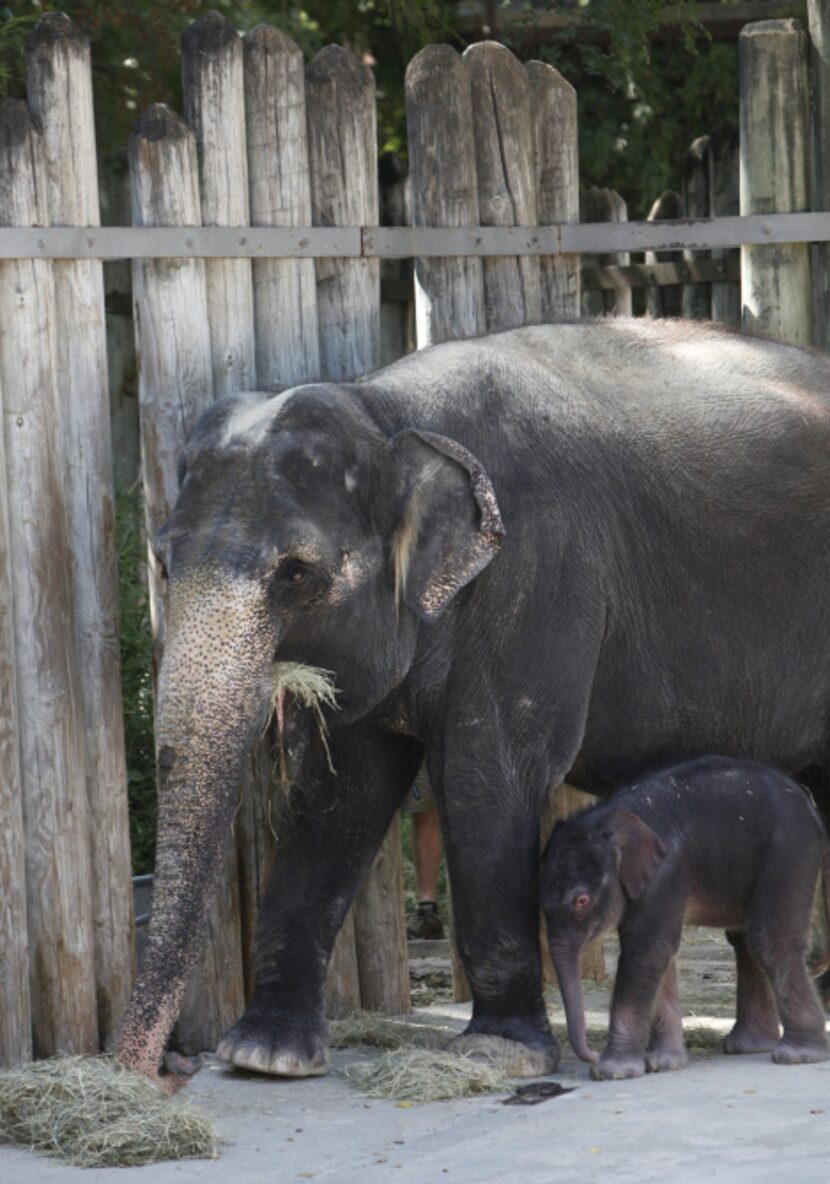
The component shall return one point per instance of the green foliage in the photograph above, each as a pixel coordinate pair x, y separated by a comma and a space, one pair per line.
137, 676
13, 33
645, 92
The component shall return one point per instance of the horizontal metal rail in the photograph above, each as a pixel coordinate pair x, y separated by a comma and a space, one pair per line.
405, 242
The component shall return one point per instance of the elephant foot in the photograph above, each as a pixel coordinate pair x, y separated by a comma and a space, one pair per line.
513, 1057
790, 1052
665, 1060
277, 1045
617, 1067
742, 1040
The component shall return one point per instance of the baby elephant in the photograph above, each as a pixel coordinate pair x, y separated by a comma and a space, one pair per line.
708, 842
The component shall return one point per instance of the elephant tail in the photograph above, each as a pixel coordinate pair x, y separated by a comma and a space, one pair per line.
819, 950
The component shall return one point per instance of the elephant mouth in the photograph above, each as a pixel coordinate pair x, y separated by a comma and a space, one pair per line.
308, 687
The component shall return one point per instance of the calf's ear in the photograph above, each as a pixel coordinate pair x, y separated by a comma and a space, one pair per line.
641, 852
447, 526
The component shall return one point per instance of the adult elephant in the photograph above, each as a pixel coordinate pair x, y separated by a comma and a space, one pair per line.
577, 549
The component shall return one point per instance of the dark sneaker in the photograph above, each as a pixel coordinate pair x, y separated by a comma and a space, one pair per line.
424, 924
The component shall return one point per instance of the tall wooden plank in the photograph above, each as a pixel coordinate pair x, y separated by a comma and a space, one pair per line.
343, 978
60, 95
342, 143
724, 201
449, 293
380, 931
818, 16
15, 1000
697, 298
58, 864
506, 173
285, 295
665, 301
175, 387
606, 205
775, 280
553, 109
342, 147
214, 99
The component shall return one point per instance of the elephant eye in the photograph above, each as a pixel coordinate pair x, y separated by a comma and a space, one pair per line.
582, 901
294, 573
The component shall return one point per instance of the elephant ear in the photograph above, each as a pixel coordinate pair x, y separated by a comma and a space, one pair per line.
448, 526
641, 852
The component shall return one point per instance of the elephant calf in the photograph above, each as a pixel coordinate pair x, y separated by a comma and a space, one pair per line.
711, 841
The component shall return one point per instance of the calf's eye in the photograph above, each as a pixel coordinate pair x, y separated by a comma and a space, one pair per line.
582, 901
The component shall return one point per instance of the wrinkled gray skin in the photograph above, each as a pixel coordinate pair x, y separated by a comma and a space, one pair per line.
574, 550
707, 842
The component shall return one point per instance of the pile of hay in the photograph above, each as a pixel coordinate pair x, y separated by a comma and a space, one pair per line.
424, 1075
367, 1029
95, 1113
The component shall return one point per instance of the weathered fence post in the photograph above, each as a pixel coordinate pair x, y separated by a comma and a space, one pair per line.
380, 934
606, 205
665, 300
175, 387
697, 301
449, 293
58, 866
285, 295
15, 1001
818, 15
214, 102
775, 279
506, 174
553, 111
724, 201
60, 95
340, 102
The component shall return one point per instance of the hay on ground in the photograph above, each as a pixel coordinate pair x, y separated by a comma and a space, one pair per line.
367, 1029
424, 1075
93, 1112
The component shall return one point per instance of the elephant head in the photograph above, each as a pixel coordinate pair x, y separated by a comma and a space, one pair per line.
591, 868
301, 533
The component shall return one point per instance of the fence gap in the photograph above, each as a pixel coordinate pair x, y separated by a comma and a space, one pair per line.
666, 300
724, 201
697, 299
606, 205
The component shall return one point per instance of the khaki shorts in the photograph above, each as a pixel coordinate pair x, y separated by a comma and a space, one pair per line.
424, 800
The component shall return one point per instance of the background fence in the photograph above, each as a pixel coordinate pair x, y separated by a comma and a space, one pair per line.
283, 152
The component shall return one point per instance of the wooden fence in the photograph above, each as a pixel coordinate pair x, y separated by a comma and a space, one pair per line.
257, 260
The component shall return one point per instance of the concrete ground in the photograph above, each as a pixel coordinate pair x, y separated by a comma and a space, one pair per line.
737, 1119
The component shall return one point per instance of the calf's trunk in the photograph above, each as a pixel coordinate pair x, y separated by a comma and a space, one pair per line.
566, 963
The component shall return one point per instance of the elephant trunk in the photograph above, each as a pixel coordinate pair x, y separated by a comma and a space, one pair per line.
566, 963
211, 703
